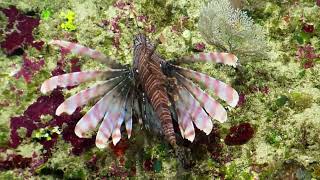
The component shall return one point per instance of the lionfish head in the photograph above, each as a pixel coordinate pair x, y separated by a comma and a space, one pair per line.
139, 39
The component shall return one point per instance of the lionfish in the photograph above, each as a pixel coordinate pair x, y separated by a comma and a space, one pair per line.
157, 91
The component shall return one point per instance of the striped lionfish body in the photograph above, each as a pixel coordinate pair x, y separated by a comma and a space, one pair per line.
151, 77
143, 90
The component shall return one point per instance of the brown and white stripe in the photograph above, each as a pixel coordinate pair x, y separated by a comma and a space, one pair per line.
221, 89
70, 79
199, 117
81, 50
185, 121
214, 108
91, 119
113, 119
152, 79
84, 96
213, 57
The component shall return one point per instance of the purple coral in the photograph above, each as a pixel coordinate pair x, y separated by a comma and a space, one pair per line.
242, 100
19, 31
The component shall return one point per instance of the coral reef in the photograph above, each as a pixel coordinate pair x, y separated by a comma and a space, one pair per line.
273, 133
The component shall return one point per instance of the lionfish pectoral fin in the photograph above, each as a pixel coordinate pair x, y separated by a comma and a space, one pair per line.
185, 122
84, 96
213, 57
149, 118
221, 89
81, 50
212, 107
113, 119
116, 134
91, 119
128, 114
187, 104
70, 79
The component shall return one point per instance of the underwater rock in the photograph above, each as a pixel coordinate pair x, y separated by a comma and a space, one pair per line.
19, 31
239, 134
292, 170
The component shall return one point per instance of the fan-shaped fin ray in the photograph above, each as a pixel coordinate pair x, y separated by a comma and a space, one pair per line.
212, 57
128, 114
221, 89
193, 107
91, 119
212, 107
81, 50
84, 96
70, 79
185, 122
75, 78
116, 134
113, 119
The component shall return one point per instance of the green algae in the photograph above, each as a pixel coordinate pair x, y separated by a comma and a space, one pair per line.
300, 101
68, 18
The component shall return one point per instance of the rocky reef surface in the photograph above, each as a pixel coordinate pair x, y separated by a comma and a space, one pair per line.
273, 133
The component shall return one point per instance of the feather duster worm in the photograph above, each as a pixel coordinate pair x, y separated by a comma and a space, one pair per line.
143, 89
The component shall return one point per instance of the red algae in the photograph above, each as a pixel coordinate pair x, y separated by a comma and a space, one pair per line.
148, 165
308, 28
120, 148
19, 31
239, 134
14, 161
242, 100
29, 68
307, 55
47, 105
199, 47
